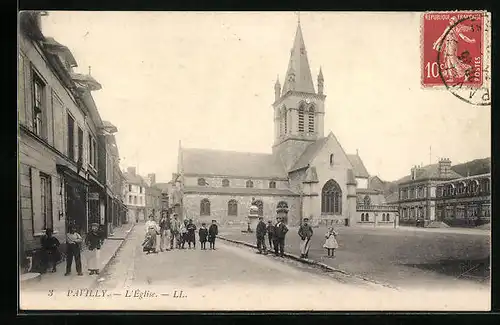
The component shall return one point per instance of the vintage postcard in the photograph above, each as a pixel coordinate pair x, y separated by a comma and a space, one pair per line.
252, 161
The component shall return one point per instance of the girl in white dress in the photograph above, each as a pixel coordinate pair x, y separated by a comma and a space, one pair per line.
331, 242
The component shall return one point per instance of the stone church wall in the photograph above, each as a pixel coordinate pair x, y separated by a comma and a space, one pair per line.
219, 208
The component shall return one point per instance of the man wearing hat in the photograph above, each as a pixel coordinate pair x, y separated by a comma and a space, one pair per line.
280, 230
305, 233
175, 229
260, 232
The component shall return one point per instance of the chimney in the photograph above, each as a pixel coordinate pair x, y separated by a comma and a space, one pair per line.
444, 167
152, 179
131, 170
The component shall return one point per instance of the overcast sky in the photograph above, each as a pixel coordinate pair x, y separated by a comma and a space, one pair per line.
207, 79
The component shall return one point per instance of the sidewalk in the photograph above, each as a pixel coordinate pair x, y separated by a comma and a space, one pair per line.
57, 280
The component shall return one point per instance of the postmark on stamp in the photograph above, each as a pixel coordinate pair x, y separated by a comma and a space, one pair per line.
456, 54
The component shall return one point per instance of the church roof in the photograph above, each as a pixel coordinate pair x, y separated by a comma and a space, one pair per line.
299, 65
309, 154
311, 175
231, 163
240, 191
358, 166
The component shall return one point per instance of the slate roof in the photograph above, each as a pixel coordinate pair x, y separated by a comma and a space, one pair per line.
429, 172
134, 179
358, 166
239, 191
309, 154
392, 198
311, 175
299, 65
231, 163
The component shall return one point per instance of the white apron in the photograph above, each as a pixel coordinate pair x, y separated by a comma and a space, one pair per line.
93, 259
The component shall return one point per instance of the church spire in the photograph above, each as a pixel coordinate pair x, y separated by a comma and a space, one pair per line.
321, 80
277, 89
298, 76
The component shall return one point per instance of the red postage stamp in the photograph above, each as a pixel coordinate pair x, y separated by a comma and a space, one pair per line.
452, 45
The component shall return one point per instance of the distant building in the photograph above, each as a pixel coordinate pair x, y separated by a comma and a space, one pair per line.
134, 195
464, 201
153, 197
417, 191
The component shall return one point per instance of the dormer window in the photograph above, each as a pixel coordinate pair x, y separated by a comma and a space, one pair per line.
331, 159
249, 184
272, 184
202, 182
225, 182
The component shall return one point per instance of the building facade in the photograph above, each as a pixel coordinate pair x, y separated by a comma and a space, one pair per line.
57, 131
134, 195
307, 172
464, 201
417, 191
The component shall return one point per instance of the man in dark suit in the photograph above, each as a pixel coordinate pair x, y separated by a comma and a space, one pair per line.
280, 230
260, 232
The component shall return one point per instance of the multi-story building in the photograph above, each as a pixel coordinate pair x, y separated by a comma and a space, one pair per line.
134, 195
58, 130
153, 197
113, 178
417, 191
464, 201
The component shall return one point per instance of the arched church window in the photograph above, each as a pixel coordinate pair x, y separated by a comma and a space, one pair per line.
362, 217
232, 208
272, 184
331, 198
367, 217
331, 159
205, 207
301, 117
259, 205
202, 182
225, 182
367, 201
310, 116
249, 183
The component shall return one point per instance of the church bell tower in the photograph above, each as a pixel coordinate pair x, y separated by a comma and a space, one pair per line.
298, 109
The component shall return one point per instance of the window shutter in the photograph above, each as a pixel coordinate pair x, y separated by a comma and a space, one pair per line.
21, 96
54, 181
28, 102
36, 201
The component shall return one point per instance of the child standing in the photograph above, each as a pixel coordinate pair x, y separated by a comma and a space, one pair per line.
213, 231
203, 234
331, 242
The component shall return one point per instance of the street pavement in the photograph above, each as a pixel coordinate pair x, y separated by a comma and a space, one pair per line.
412, 258
235, 278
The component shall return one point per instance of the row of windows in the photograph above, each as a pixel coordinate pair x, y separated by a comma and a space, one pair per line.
412, 193
225, 183
141, 189
365, 217
40, 118
473, 187
133, 199
331, 201
232, 207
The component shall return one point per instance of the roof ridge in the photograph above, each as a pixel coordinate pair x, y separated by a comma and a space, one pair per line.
225, 150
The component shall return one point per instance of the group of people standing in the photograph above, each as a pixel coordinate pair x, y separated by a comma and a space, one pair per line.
276, 234
74, 241
176, 234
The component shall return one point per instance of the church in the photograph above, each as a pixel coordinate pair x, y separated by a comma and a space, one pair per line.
307, 174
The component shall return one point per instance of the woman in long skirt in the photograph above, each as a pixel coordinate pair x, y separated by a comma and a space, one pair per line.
152, 231
331, 242
94, 242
